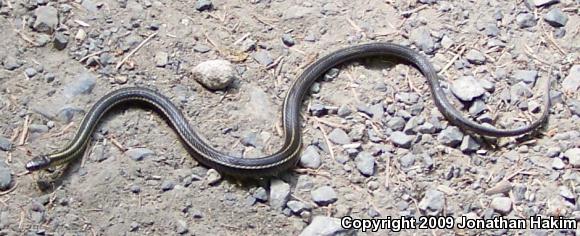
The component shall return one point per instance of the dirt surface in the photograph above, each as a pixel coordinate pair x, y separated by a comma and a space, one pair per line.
391, 152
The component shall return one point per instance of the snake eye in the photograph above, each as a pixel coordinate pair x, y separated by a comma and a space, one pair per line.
38, 163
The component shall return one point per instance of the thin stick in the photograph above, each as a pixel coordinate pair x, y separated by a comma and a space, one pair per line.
242, 38
452, 60
24, 131
92, 55
331, 124
117, 144
135, 50
326, 140
388, 173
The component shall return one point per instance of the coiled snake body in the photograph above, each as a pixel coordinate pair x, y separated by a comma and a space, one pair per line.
287, 156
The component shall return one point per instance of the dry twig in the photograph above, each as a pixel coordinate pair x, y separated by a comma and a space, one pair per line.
135, 50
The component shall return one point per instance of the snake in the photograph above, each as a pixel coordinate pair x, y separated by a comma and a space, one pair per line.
289, 154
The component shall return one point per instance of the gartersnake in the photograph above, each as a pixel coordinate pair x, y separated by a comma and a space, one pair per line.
288, 155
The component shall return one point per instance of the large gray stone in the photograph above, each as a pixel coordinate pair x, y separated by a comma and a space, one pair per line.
467, 88
214, 74
572, 82
556, 18
46, 19
324, 226
279, 194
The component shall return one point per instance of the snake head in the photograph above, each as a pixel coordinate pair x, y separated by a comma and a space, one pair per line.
38, 163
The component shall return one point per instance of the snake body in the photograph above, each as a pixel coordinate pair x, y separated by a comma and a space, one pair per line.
288, 155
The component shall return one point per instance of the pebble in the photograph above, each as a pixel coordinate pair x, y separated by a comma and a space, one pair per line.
310, 158
573, 156
574, 106
11, 63
558, 164
365, 163
475, 57
331, 74
279, 194
422, 38
553, 151
477, 107
30, 72
556, 17
324, 195
203, 5
539, 3
451, 136
135, 189
467, 88
84, 84
412, 124
250, 140
396, 123
401, 139
181, 227
344, 111
134, 226
407, 160
201, 48
288, 40
5, 144
324, 226
138, 154
213, 177
525, 20
502, 205
161, 59
46, 19
263, 57
261, 194
339, 136
566, 193
167, 185
214, 74
572, 82
446, 42
527, 76
297, 206
60, 41
469, 144
427, 128
5, 177
433, 202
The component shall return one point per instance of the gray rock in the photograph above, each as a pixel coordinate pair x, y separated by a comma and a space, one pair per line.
84, 84
310, 158
201, 48
553, 151
324, 195
279, 194
261, 194
427, 128
212, 177
422, 38
339, 136
288, 40
324, 226
5, 144
203, 5
539, 3
558, 164
167, 185
556, 17
161, 59
407, 160
297, 12
181, 227
574, 106
477, 107
30, 72
263, 57
446, 42
5, 177
566, 193
572, 82
527, 76
365, 163
432, 203
413, 124
525, 20
407, 98
401, 139
89, 5
475, 57
139, 154
469, 145
502, 205
11, 63
396, 123
251, 139
60, 41
344, 111
135, 189
214, 74
297, 206
37, 128
451, 136
46, 19
467, 88
331, 74
487, 84
573, 156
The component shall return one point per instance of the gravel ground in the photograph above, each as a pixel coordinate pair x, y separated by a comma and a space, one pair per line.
373, 145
